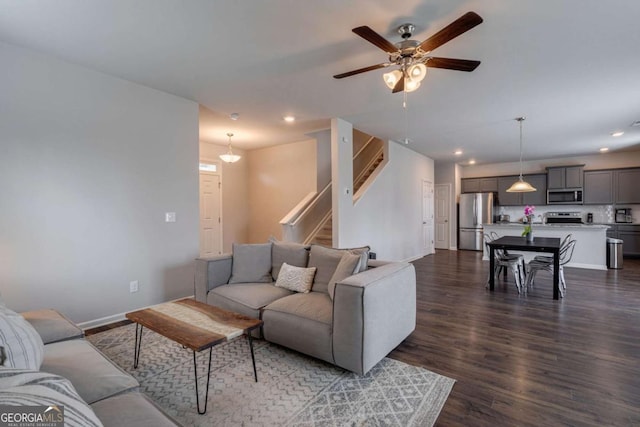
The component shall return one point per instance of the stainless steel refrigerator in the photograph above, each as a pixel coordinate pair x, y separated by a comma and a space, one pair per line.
475, 209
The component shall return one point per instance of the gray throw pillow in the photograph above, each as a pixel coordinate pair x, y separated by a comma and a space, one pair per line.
326, 261
251, 263
295, 254
349, 265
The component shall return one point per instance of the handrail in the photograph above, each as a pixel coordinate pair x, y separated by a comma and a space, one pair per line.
298, 209
315, 202
368, 166
364, 146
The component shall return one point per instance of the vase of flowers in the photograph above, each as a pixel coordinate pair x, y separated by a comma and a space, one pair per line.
528, 213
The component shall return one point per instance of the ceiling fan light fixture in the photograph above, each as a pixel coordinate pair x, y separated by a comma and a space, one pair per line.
411, 85
391, 78
417, 71
229, 157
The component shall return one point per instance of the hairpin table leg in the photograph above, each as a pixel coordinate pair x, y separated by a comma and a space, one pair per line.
195, 373
253, 358
137, 344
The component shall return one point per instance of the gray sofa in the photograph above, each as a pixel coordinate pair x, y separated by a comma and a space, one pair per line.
368, 315
110, 392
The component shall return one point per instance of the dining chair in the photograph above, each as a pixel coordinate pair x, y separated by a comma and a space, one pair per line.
534, 266
564, 242
503, 260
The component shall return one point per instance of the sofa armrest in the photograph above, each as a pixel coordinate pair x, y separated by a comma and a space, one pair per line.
210, 273
373, 312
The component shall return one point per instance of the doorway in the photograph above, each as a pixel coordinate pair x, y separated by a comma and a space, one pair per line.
442, 213
210, 209
427, 217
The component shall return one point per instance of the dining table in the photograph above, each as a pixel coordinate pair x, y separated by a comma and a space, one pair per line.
537, 244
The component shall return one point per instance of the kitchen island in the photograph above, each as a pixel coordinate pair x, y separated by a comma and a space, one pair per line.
591, 241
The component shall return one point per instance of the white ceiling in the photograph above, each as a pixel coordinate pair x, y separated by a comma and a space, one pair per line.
570, 66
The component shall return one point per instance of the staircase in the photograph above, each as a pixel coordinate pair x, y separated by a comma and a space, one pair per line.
313, 217
324, 237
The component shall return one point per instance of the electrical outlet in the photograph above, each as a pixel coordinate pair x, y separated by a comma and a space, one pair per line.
133, 286
170, 217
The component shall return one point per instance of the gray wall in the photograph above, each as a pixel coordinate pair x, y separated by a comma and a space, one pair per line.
89, 164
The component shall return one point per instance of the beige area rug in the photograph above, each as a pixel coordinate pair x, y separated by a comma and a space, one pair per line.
292, 389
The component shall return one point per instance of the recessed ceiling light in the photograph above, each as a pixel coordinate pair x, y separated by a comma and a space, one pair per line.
604, 149
457, 152
617, 133
472, 162
289, 119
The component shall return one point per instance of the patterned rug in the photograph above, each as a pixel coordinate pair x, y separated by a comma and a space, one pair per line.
292, 389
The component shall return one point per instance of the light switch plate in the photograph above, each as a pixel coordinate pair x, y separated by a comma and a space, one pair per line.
133, 286
170, 217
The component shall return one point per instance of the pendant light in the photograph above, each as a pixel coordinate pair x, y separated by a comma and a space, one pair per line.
521, 186
229, 157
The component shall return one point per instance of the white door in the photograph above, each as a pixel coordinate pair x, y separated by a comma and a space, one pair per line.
210, 214
427, 217
443, 227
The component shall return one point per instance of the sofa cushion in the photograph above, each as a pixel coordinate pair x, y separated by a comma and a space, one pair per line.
30, 388
325, 260
349, 264
52, 326
131, 409
292, 253
251, 263
302, 322
93, 375
245, 298
22, 344
296, 279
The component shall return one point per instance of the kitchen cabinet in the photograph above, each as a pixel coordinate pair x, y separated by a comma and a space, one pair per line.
504, 198
561, 177
480, 185
626, 185
630, 235
539, 197
598, 187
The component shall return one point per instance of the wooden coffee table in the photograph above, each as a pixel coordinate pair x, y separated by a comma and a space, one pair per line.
194, 325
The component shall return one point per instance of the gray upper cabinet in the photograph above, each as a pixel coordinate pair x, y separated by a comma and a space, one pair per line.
488, 185
562, 177
627, 187
504, 198
480, 185
539, 197
471, 185
598, 187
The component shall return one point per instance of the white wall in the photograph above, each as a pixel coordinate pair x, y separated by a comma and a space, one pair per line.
279, 178
235, 194
323, 157
388, 216
597, 161
89, 164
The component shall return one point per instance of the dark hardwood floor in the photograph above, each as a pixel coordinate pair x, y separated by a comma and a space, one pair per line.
529, 360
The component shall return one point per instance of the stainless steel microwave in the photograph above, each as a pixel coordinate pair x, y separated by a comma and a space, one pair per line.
564, 197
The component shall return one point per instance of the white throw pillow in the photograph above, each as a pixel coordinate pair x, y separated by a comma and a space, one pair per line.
22, 344
297, 279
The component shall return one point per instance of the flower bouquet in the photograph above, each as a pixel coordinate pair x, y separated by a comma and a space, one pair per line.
528, 213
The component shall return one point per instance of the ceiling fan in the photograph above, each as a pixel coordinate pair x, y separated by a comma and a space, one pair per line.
412, 57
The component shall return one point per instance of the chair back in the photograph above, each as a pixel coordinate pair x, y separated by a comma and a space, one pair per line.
567, 252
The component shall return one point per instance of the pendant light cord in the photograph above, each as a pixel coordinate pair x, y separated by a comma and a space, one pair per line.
520, 119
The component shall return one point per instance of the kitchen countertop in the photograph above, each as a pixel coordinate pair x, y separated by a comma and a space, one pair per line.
541, 225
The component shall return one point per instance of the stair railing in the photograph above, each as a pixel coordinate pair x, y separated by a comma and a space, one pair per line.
303, 220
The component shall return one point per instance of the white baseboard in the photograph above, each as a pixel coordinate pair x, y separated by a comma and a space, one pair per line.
453, 248
116, 317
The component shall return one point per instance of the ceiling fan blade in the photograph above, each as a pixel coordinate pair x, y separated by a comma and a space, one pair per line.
361, 70
451, 31
452, 64
374, 38
399, 87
